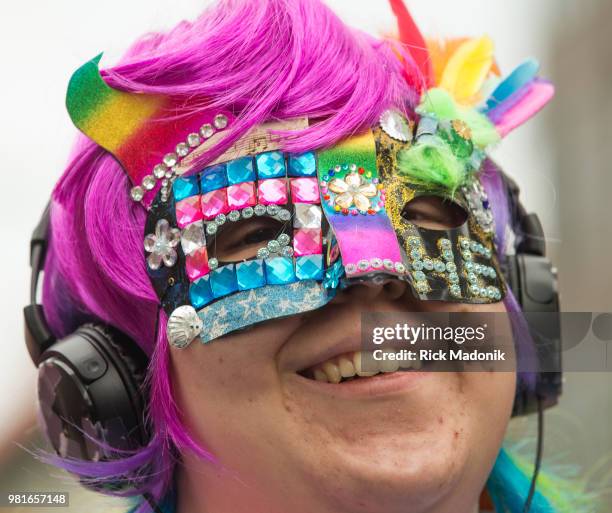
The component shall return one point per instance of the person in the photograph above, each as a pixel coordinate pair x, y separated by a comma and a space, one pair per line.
288, 174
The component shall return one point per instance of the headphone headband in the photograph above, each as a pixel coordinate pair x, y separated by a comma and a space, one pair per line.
38, 336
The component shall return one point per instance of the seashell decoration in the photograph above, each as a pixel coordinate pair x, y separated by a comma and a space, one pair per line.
396, 126
183, 326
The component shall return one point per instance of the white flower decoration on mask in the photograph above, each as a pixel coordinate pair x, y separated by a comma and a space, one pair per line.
161, 245
353, 190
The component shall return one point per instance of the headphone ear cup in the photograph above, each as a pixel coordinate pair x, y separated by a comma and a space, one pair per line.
533, 282
536, 290
91, 394
131, 364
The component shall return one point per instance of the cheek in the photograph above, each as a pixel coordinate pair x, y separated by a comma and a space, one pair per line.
490, 396
490, 399
491, 393
228, 390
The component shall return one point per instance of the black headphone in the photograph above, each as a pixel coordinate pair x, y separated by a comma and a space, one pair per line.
90, 383
533, 281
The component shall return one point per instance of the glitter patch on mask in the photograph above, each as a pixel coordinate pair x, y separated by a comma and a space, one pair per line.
253, 306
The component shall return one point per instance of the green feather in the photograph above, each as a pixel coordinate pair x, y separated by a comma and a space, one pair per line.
432, 163
439, 104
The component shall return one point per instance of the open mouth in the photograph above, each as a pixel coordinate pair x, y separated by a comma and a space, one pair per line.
356, 365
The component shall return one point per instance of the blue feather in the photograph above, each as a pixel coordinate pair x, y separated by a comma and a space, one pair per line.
521, 76
508, 488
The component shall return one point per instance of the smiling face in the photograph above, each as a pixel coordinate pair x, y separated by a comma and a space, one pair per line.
295, 248
291, 249
288, 442
297, 423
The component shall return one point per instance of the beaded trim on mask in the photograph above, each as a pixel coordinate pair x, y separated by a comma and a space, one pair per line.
166, 170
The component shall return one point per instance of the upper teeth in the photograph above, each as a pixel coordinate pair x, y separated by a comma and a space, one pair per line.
350, 365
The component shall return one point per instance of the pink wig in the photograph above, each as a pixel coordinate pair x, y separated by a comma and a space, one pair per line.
263, 59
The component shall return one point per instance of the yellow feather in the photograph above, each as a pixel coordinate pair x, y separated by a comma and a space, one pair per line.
467, 69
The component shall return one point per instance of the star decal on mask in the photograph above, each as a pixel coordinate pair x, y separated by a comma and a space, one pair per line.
284, 305
250, 307
252, 304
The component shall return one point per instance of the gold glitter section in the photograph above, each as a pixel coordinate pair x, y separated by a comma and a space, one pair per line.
398, 191
462, 129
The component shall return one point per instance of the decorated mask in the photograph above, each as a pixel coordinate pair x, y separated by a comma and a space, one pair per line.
259, 234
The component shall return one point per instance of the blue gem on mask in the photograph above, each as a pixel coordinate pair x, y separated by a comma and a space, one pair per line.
185, 187
213, 178
240, 170
333, 275
223, 281
200, 293
309, 267
417, 265
250, 274
302, 165
419, 276
279, 271
271, 165
439, 266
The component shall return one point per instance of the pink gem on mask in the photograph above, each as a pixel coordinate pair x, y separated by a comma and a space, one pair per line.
334, 253
188, 211
272, 191
241, 195
214, 203
305, 190
196, 264
307, 241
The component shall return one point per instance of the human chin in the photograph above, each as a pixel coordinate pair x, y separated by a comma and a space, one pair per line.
412, 448
416, 439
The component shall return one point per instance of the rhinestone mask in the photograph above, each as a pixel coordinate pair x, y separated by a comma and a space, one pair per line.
339, 213
326, 205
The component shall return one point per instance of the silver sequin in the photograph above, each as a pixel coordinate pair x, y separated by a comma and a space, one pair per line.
159, 171
193, 140
182, 149
221, 121
137, 193
148, 182
170, 160
207, 131
396, 126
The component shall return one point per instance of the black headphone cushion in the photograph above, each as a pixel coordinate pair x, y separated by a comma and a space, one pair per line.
129, 360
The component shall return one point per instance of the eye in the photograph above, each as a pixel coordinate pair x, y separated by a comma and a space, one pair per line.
240, 240
434, 213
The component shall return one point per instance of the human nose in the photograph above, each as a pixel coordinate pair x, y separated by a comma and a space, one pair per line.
378, 287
